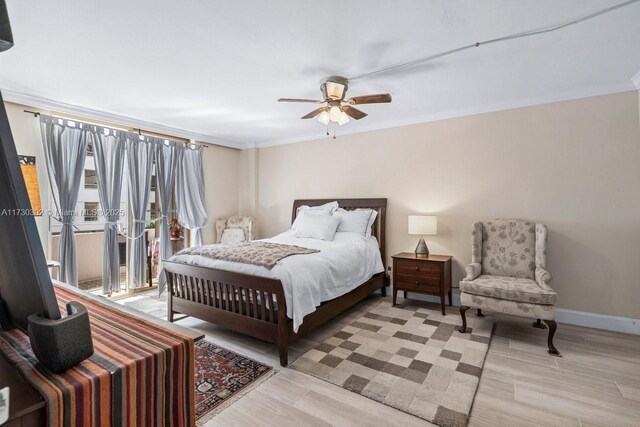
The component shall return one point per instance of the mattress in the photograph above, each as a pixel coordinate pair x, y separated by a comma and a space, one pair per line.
308, 280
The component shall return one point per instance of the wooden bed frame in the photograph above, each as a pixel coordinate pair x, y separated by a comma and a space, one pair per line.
235, 300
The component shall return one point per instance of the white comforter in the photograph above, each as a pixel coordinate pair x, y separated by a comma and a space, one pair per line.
341, 266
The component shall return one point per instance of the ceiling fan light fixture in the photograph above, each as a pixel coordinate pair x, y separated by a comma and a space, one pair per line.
324, 118
335, 90
334, 113
344, 119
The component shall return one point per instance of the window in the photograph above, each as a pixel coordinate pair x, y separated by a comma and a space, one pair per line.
90, 211
90, 179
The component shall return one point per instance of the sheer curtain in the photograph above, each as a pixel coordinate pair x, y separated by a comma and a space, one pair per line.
109, 152
65, 151
190, 202
168, 156
139, 167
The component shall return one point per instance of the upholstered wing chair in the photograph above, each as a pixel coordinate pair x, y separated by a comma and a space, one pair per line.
244, 228
508, 273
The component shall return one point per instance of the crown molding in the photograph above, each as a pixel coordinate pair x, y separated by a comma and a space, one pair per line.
90, 113
636, 80
470, 111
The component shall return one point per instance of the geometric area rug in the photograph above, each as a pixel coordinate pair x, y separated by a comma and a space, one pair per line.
222, 377
408, 357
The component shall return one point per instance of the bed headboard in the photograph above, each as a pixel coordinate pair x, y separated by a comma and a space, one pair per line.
379, 226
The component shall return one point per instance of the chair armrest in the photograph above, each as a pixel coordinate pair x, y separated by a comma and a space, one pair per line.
543, 277
473, 271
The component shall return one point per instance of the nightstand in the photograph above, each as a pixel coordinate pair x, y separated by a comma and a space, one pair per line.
429, 275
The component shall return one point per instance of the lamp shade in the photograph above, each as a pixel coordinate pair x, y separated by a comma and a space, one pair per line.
423, 224
6, 38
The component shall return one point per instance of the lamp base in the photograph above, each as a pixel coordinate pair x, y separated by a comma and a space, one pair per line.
422, 250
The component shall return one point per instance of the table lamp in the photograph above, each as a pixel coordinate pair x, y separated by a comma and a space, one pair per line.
423, 225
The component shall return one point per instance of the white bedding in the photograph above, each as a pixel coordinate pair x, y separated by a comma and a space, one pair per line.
341, 265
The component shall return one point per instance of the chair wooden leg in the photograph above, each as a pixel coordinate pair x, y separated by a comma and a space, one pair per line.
552, 331
463, 310
480, 313
538, 324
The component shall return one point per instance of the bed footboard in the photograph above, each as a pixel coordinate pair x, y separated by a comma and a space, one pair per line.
251, 305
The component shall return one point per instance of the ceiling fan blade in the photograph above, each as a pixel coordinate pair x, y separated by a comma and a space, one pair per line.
313, 113
354, 113
370, 99
313, 101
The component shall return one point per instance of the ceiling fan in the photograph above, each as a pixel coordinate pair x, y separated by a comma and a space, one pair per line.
337, 109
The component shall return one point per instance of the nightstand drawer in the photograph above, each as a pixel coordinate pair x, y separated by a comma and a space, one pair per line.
417, 268
417, 286
422, 280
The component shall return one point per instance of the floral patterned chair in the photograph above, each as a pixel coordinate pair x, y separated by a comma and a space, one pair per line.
238, 222
508, 273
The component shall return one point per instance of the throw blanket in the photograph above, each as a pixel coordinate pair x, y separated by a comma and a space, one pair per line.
140, 375
264, 254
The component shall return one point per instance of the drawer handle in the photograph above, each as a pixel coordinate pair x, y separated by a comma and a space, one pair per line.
417, 268
417, 282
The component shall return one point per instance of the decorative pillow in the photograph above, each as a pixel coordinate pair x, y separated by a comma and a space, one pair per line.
356, 221
231, 235
312, 226
326, 209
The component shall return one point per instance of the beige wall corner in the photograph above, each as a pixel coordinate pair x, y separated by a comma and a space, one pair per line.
572, 165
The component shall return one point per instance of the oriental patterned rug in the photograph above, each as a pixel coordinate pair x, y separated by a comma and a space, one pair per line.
222, 377
408, 357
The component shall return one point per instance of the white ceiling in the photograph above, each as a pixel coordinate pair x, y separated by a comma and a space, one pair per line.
216, 68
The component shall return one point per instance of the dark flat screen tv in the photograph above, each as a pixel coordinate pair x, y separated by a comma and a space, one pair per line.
25, 283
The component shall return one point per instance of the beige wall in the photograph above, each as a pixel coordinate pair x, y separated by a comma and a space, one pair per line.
574, 166
247, 172
221, 184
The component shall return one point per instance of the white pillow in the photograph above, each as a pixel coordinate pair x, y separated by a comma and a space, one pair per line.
356, 221
312, 226
326, 209
231, 235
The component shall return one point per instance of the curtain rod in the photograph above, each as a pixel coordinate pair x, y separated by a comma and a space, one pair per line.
138, 131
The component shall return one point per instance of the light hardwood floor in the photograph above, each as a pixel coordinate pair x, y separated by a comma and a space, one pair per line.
596, 382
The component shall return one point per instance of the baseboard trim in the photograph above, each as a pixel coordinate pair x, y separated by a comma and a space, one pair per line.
606, 322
